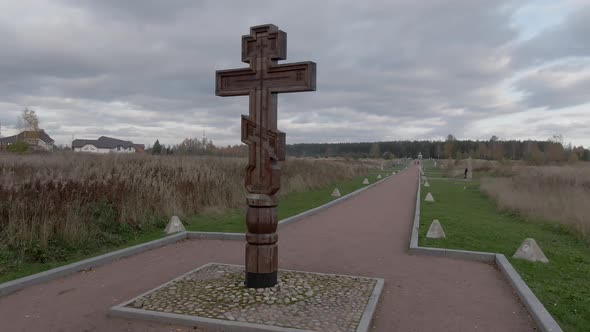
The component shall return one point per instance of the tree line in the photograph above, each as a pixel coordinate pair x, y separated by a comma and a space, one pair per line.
196, 146
551, 150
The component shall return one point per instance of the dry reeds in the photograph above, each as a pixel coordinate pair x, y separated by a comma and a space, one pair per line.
554, 193
69, 199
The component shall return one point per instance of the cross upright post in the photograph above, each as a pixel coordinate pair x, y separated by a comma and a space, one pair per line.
262, 81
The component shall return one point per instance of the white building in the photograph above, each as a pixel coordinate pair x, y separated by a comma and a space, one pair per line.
106, 145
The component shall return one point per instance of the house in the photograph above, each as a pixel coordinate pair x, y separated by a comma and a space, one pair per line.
37, 140
105, 145
139, 147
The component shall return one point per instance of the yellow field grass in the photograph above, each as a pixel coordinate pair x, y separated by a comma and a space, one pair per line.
71, 198
559, 193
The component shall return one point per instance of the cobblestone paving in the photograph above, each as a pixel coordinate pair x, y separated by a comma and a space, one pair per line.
300, 300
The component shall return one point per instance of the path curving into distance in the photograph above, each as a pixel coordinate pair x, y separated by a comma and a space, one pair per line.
367, 235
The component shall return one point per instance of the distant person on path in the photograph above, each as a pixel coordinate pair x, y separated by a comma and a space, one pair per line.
465, 173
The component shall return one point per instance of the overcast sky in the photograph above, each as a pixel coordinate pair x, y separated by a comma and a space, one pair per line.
386, 70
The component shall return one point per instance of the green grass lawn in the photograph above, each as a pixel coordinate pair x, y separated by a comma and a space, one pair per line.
472, 222
226, 221
431, 171
26, 269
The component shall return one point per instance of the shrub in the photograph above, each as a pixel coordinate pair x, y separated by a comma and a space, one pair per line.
19, 147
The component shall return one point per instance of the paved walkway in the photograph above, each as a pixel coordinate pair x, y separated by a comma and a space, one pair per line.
367, 235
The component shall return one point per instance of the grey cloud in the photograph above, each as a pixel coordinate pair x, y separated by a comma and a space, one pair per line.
382, 66
568, 39
140, 10
563, 54
557, 87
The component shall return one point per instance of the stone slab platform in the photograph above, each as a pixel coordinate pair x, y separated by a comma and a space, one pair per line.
214, 297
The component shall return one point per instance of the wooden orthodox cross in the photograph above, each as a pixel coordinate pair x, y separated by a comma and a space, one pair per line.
262, 81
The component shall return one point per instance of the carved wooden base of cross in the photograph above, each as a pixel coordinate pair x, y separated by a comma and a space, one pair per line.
267, 148
262, 251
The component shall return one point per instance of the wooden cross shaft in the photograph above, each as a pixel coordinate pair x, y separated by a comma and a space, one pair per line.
262, 81
269, 145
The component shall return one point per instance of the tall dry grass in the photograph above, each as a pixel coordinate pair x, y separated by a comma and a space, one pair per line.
67, 200
554, 193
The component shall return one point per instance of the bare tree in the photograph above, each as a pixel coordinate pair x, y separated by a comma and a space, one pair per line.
19, 124
375, 151
557, 138
449, 147
30, 120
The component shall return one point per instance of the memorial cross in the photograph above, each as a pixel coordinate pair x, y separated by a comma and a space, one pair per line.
262, 81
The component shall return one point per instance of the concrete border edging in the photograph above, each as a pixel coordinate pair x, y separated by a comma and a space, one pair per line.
540, 315
121, 311
367, 318
216, 236
479, 256
202, 322
545, 322
416, 223
41, 277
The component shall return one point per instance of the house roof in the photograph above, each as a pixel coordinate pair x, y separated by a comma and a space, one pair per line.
25, 134
103, 142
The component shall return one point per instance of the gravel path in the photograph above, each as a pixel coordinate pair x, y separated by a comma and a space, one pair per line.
367, 235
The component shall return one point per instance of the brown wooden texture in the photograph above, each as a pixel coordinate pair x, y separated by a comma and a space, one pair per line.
262, 81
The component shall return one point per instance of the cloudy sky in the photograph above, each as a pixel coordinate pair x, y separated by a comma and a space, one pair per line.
387, 70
